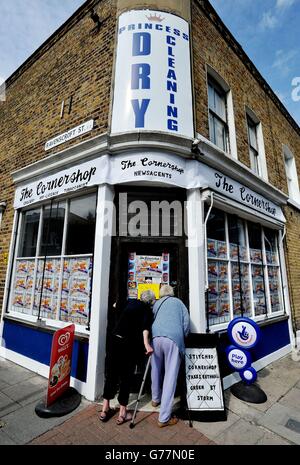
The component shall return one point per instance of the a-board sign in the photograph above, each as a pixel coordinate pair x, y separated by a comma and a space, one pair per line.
60, 363
204, 387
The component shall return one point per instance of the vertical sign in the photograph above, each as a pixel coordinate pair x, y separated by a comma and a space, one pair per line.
60, 363
153, 89
204, 388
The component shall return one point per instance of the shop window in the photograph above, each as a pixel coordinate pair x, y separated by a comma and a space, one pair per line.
243, 269
218, 126
53, 270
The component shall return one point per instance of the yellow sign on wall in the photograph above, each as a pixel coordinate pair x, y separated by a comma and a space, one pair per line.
146, 286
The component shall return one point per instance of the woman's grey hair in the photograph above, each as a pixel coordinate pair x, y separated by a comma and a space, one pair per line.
166, 290
148, 297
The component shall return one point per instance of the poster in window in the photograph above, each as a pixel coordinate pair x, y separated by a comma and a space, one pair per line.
234, 252
64, 312
257, 272
212, 248
271, 257
23, 284
222, 249
236, 288
212, 269
223, 288
258, 287
76, 290
222, 270
213, 288
49, 306
18, 299
246, 287
255, 255
79, 287
259, 305
78, 310
213, 307
224, 307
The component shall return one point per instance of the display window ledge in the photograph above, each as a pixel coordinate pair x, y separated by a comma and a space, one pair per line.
261, 322
45, 325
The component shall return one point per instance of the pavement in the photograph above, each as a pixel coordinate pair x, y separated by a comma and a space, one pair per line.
275, 422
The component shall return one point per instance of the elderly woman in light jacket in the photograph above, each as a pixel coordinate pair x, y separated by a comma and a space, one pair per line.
170, 327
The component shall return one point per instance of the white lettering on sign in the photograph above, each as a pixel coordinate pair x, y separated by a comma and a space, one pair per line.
71, 134
150, 166
153, 77
203, 382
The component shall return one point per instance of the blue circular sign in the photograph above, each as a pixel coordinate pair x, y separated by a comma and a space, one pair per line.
244, 332
237, 358
249, 375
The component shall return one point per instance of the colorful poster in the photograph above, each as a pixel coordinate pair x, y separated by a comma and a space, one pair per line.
145, 287
255, 255
152, 270
23, 285
212, 249
60, 363
76, 290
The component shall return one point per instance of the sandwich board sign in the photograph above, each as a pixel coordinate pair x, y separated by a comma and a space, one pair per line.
204, 387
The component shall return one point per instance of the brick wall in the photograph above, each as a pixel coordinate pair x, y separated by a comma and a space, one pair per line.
210, 47
77, 62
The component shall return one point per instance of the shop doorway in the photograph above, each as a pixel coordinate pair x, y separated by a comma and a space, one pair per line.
136, 264
144, 261
139, 265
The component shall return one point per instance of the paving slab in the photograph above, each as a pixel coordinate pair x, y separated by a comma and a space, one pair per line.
213, 429
15, 374
7, 405
5, 440
240, 433
23, 425
27, 391
291, 398
277, 419
271, 439
243, 409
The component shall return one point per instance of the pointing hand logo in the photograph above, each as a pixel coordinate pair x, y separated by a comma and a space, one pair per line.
243, 334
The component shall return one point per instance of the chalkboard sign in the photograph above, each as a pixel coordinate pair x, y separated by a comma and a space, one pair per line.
204, 387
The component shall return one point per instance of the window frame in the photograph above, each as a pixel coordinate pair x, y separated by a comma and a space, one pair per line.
269, 315
291, 174
217, 88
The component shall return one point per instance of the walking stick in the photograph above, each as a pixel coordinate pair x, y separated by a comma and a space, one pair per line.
132, 424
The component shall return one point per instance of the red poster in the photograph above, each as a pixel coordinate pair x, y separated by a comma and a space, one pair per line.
60, 363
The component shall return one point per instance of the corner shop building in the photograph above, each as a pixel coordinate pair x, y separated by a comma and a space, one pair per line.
88, 219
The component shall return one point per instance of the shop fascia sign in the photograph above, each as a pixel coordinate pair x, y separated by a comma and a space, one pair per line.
152, 85
69, 135
148, 166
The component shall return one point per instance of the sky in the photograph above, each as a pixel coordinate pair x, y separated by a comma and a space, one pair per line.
268, 31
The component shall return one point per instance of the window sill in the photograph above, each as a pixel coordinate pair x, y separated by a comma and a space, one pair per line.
294, 204
261, 323
42, 326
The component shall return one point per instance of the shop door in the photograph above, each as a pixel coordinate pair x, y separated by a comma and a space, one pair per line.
136, 266
145, 263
